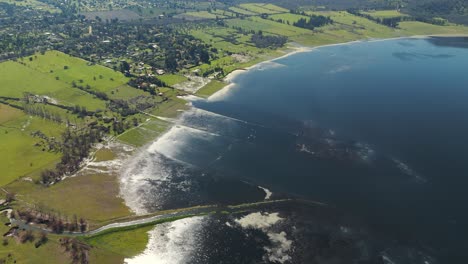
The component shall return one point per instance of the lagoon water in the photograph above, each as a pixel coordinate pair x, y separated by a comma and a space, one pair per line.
376, 130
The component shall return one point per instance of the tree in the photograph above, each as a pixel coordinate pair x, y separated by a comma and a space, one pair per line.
204, 56
124, 67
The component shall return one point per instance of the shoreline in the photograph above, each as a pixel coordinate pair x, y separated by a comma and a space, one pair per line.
229, 79
230, 82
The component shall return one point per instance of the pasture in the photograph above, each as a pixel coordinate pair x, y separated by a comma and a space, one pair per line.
72, 69
17, 79
22, 154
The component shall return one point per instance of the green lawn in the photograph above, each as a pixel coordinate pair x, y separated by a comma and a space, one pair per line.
127, 243
211, 88
171, 79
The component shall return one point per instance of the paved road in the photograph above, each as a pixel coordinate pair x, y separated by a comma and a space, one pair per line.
150, 219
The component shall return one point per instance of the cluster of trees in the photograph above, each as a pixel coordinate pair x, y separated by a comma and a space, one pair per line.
123, 107
78, 250
75, 147
265, 41
55, 222
41, 111
52, 143
313, 22
426, 10
389, 21
144, 83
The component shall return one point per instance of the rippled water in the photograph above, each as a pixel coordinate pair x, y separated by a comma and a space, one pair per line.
376, 130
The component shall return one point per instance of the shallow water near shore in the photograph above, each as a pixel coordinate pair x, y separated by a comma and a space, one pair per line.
376, 130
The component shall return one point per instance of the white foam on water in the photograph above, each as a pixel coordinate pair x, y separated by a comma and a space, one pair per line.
268, 193
406, 169
135, 189
171, 243
281, 245
175, 141
259, 220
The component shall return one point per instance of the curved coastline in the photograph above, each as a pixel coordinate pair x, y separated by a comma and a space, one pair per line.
230, 78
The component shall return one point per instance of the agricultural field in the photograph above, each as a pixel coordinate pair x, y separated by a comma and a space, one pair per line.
385, 14
17, 79
261, 8
287, 17
203, 15
241, 11
22, 154
419, 28
71, 69
91, 196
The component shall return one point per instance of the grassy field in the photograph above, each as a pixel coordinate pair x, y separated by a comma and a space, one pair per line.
211, 88
18, 152
204, 14
143, 134
171, 79
261, 8
91, 196
27, 253
17, 79
68, 69
241, 11
291, 18
127, 243
419, 28
385, 14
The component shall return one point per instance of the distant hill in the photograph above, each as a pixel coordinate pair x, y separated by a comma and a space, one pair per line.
454, 10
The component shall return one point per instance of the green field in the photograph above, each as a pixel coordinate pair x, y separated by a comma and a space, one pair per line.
261, 8
288, 17
127, 243
145, 133
211, 88
171, 79
91, 196
17, 79
419, 28
241, 11
204, 14
54, 63
385, 14
18, 152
